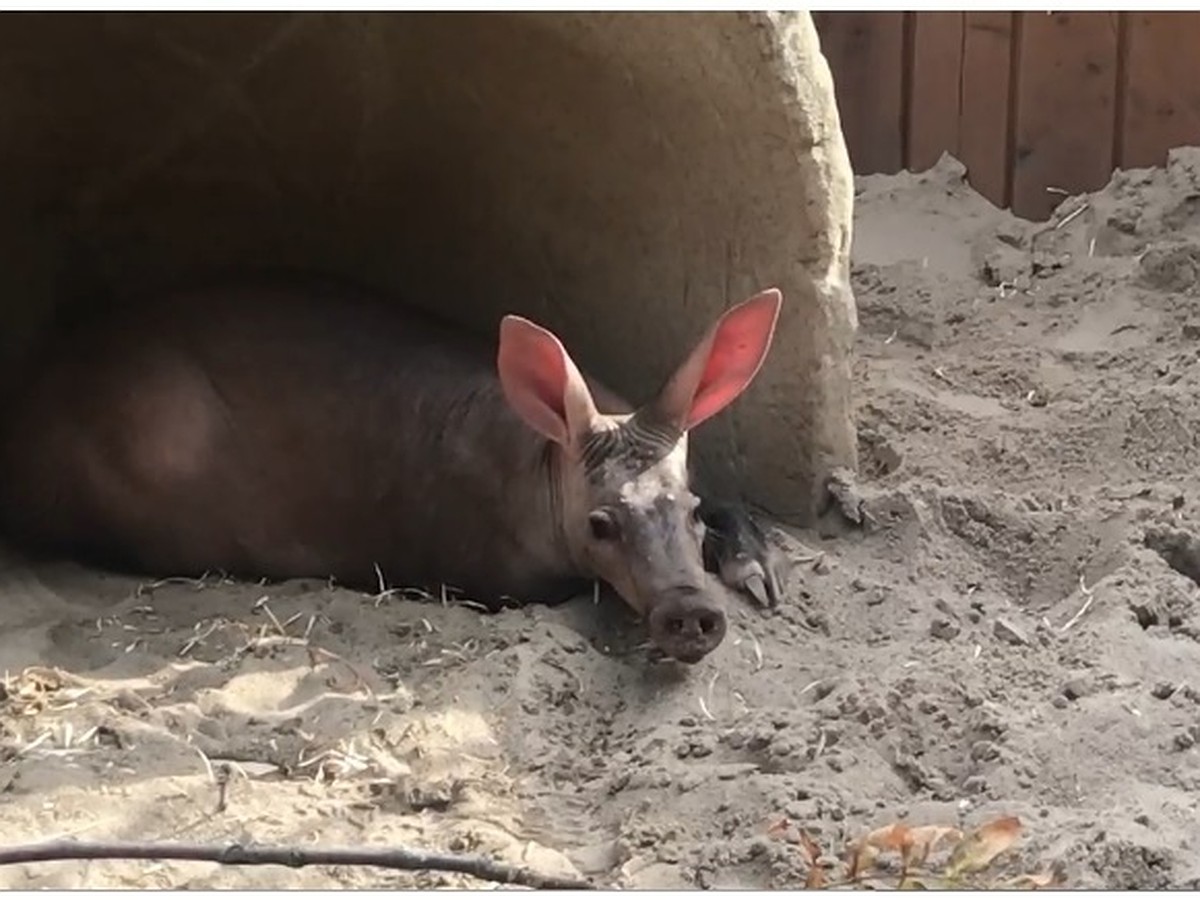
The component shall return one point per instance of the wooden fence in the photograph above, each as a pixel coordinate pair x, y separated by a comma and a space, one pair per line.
1027, 101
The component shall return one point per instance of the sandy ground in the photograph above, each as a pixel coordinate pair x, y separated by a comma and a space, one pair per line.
1015, 630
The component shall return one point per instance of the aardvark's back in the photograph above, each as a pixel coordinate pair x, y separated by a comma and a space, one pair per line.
274, 433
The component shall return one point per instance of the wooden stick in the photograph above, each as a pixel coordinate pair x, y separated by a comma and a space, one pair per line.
293, 857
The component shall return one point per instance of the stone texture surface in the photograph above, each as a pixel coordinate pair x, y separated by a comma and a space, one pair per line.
619, 177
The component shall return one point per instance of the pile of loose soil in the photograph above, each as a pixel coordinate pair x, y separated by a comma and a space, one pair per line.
1013, 630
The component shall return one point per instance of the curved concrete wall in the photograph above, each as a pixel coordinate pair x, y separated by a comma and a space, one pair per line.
617, 177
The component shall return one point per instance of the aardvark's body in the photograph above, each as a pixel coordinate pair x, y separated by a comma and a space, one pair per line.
279, 432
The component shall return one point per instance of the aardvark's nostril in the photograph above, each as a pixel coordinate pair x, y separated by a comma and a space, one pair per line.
694, 624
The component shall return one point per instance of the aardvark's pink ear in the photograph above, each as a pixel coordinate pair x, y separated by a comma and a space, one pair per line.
541, 383
723, 364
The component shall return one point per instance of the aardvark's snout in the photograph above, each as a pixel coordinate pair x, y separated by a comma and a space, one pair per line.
687, 624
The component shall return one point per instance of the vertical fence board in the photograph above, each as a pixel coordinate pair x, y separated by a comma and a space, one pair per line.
936, 100
1066, 97
1161, 96
1025, 100
865, 52
986, 82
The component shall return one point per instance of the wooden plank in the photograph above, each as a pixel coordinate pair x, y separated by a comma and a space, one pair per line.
936, 98
983, 129
1066, 82
1160, 102
866, 55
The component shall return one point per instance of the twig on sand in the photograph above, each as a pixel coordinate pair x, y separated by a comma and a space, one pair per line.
1087, 592
293, 857
224, 772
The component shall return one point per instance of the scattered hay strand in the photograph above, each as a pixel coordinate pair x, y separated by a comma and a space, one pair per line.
208, 766
198, 583
263, 604
759, 660
706, 703
808, 687
197, 639
1072, 216
1088, 593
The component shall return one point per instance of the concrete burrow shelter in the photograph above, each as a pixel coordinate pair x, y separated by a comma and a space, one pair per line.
619, 178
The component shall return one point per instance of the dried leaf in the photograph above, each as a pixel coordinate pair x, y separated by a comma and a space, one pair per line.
816, 875
983, 845
890, 837
870, 883
811, 849
864, 853
913, 844
1048, 878
778, 830
815, 880
924, 840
